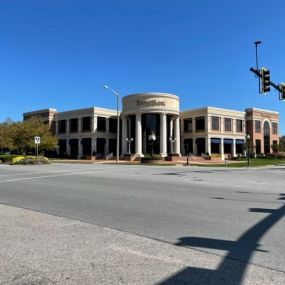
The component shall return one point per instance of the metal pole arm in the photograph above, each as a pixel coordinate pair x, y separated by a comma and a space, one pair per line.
258, 74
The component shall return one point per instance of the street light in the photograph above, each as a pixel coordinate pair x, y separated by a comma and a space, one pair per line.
247, 138
171, 144
152, 139
129, 144
118, 120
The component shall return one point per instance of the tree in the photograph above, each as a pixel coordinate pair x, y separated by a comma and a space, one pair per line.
6, 141
281, 146
24, 133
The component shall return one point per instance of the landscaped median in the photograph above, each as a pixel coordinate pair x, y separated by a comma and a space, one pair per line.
253, 162
23, 160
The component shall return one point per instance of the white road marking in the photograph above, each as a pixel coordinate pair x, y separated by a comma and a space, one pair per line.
37, 172
58, 175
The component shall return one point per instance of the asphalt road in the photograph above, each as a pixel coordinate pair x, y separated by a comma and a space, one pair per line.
235, 213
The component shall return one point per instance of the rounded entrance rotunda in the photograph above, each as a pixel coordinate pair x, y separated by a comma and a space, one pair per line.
150, 124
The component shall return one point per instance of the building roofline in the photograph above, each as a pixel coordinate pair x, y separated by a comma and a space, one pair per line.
163, 94
262, 110
213, 108
40, 111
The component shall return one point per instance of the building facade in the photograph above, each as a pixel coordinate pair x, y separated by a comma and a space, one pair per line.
153, 123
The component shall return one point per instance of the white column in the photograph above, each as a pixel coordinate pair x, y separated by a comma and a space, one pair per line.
171, 128
177, 136
195, 147
80, 151
67, 147
79, 125
234, 148
93, 146
67, 126
163, 135
208, 146
106, 149
94, 124
222, 149
124, 134
138, 141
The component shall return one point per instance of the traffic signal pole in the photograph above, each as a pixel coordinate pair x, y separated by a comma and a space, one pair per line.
258, 74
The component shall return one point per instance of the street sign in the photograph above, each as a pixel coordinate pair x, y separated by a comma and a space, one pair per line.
37, 140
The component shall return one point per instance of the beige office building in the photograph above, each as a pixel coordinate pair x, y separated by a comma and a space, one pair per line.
153, 123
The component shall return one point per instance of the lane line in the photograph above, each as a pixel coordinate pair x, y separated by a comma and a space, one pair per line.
58, 175
37, 172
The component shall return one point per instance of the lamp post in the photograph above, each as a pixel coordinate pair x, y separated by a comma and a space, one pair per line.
118, 121
129, 144
171, 144
152, 138
247, 139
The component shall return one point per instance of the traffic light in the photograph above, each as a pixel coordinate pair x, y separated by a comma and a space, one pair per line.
265, 80
282, 91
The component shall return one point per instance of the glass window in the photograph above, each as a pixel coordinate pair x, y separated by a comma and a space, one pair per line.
113, 125
228, 124
101, 124
257, 126
215, 123
239, 126
200, 123
274, 128
86, 124
73, 125
62, 126
188, 125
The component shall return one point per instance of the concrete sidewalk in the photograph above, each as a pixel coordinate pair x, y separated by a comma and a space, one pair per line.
38, 248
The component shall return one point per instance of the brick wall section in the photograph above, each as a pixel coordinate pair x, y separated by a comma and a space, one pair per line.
253, 115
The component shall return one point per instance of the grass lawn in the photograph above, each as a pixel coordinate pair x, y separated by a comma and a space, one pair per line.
253, 162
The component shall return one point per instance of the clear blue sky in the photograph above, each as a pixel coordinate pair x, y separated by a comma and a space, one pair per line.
59, 53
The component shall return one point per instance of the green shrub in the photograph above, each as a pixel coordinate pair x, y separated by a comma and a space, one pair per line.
25, 160
149, 156
7, 157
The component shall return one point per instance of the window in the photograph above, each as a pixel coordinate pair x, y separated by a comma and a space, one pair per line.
257, 126
188, 125
228, 124
215, 123
113, 125
101, 124
62, 126
73, 125
200, 124
239, 126
274, 128
86, 124
258, 146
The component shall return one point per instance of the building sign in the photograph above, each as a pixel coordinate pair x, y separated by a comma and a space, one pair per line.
152, 103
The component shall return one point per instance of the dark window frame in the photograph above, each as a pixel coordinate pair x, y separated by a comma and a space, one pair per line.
85, 127
71, 129
257, 126
62, 126
188, 125
228, 125
239, 127
274, 128
215, 123
102, 123
200, 121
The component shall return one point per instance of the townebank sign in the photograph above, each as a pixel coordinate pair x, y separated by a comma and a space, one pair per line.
152, 103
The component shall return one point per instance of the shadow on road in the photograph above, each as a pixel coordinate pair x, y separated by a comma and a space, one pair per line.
232, 269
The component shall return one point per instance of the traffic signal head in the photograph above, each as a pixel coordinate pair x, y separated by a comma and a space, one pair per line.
282, 91
265, 80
